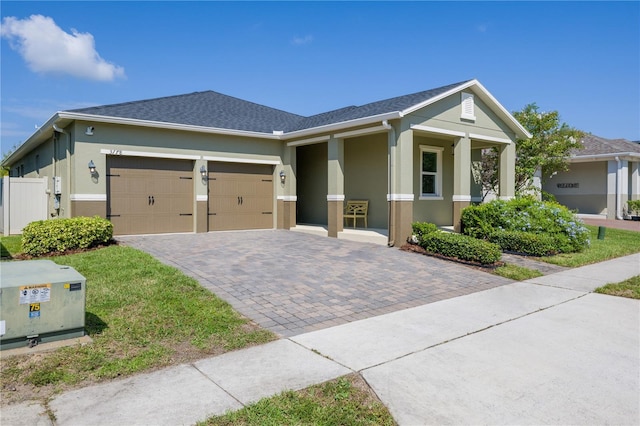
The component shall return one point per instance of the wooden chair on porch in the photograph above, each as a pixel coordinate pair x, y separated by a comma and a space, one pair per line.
356, 209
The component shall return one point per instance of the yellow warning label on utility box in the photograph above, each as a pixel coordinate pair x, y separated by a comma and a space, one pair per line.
36, 293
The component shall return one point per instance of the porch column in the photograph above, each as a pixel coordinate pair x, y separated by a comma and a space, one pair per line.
507, 173
476, 175
335, 186
635, 180
401, 177
287, 191
612, 183
461, 179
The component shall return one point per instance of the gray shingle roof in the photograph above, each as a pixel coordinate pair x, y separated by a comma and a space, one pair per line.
595, 145
398, 103
212, 109
208, 109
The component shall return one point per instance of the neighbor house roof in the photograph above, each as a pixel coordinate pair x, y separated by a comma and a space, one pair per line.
596, 147
212, 112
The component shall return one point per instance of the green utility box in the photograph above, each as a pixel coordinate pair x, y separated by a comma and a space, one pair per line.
40, 301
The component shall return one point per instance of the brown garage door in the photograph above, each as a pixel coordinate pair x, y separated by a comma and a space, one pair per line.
149, 195
240, 196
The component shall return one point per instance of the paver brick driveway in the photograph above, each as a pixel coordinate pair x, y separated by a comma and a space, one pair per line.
293, 283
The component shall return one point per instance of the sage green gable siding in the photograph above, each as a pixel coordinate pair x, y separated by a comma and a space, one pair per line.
311, 181
435, 211
365, 176
445, 114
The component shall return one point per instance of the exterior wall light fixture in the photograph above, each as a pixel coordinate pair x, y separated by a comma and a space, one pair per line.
283, 177
92, 168
203, 171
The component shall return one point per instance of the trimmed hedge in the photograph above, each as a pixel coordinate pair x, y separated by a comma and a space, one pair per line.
461, 247
525, 214
422, 229
525, 242
58, 235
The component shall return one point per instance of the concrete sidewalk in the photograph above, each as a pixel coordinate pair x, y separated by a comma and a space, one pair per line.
543, 351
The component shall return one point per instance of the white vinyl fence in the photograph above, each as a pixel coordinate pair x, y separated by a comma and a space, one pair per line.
23, 200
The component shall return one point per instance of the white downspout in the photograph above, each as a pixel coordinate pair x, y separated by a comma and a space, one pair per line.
391, 136
619, 189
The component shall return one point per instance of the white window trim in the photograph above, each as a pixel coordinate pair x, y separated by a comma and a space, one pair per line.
467, 106
438, 174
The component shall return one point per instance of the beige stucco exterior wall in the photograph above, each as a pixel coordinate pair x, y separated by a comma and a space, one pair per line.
110, 139
118, 138
591, 195
311, 179
366, 176
438, 211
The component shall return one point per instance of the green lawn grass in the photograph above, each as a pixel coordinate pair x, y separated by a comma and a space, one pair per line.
10, 246
345, 401
518, 273
617, 243
141, 314
629, 288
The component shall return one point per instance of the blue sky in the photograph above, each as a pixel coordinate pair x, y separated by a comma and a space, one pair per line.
579, 58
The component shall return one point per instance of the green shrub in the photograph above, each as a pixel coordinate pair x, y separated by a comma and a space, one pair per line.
58, 235
526, 214
421, 229
634, 206
525, 242
462, 247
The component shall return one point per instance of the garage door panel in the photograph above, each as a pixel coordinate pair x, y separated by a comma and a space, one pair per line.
148, 195
240, 196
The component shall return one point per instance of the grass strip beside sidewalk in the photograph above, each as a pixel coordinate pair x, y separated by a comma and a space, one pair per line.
629, 288
346, 401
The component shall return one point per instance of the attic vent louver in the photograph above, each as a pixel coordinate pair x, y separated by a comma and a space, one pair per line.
468, 106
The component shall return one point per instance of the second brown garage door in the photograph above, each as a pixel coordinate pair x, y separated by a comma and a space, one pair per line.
149, 195
240, 196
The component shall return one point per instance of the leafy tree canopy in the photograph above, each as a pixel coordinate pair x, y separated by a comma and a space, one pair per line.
548, 149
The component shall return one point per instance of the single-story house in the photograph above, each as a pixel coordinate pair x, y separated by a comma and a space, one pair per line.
601, 177
206, 161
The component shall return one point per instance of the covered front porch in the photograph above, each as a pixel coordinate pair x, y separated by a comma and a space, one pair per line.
416, 163
420, 174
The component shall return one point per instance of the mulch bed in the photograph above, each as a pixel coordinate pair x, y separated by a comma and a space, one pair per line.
24, 256
415, 248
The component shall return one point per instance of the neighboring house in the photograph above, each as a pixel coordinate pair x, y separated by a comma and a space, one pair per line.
601, 177
205, 161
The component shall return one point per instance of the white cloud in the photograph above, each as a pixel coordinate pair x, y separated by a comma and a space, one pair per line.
299, 41
46, 48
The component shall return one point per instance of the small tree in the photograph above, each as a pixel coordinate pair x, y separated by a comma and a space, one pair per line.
4, 171
548, 149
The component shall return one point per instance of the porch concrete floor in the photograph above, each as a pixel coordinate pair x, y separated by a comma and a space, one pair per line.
363, 235
296, 282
